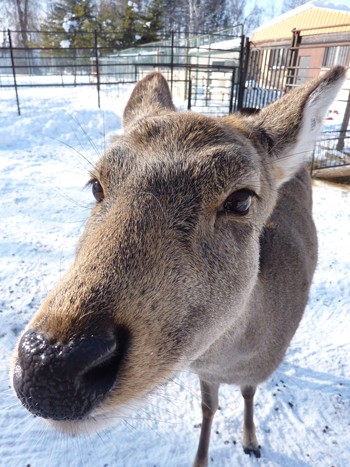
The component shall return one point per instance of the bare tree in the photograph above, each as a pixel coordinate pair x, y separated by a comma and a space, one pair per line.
22, 10
291, 4
203, 15
193, 14
253, 18
21, 15
6, 21
187, 15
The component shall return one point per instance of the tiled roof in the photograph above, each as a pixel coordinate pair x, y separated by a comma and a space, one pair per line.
310, 15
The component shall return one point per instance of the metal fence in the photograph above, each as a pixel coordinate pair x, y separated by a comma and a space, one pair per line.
205, 70
217, 73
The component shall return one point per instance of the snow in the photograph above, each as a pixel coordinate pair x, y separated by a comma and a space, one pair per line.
133, 5
302, 411
69, 23
65, 44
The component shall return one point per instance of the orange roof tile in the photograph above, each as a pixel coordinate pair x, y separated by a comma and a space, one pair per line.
312, 17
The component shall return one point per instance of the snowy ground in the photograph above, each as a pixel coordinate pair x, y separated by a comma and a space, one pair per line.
302, 412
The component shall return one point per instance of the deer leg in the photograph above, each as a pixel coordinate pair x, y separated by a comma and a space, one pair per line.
250, 443
209, 407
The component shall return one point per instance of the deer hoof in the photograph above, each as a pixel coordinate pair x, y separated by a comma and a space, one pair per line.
252, 450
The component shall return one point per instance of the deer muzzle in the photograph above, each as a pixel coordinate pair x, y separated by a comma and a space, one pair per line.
67, 381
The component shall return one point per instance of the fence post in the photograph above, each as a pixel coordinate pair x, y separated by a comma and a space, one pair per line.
172, 61
242, 61
97, 71
312, 163
14, 71
232, 93
293, 60
189, 96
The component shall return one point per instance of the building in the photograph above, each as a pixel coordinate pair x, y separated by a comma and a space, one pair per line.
319, 34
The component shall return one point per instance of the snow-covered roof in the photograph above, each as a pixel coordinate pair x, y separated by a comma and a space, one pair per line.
226, 45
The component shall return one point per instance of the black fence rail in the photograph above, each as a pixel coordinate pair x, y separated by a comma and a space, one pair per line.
204, 70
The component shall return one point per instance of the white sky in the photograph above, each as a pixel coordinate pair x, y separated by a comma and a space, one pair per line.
273, 8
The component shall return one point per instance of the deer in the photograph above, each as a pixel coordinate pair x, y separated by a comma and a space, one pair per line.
199, 253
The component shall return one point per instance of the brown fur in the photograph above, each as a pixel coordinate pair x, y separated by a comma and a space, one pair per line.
223, 293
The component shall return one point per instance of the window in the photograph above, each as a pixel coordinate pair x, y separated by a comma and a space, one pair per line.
339, 55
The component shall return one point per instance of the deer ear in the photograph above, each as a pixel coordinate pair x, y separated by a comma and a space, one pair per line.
289, 127
151, 96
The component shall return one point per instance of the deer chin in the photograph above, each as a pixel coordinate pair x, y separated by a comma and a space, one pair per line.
98, 420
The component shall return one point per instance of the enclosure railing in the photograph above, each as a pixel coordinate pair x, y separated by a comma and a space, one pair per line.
202, 69
212, 73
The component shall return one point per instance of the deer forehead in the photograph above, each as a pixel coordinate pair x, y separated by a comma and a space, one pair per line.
182, 152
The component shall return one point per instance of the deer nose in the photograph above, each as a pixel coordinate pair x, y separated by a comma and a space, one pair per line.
66, 381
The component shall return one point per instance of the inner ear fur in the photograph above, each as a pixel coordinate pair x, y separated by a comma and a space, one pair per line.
151, 96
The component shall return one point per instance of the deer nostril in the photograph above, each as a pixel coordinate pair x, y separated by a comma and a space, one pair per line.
66, 381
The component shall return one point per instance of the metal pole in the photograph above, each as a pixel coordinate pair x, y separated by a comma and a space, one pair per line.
189, 94
187, 74
312, 163
291, 69
242, 72
14, 71
207, 87
233, 79
97, 71
172, 61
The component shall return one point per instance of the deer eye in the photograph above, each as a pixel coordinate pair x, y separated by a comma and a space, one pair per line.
238, 202
97, 190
